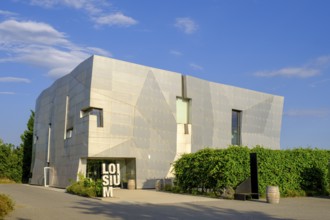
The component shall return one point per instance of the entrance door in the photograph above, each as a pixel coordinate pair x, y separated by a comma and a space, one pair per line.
127, 169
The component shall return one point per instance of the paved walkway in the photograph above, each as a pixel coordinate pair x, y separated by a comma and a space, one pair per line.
153, 197
34, 202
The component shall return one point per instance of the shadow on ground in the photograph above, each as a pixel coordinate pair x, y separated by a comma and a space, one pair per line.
151, 211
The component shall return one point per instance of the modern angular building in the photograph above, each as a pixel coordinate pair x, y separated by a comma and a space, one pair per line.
142, 118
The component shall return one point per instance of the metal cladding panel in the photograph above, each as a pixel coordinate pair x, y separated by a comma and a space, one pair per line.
139, 105
211, 110
50, 111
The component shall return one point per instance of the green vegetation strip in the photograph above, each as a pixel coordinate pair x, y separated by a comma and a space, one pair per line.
297, 172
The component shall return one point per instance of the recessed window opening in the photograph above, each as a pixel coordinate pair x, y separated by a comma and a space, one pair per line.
182, 110
236, 127
98, 112
68, 120
69, 132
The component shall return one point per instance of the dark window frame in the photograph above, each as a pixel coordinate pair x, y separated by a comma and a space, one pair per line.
236, 127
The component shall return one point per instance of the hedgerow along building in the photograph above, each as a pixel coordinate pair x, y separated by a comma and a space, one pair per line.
142, 118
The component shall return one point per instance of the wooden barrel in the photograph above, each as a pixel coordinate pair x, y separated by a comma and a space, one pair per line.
273, 194
131, 184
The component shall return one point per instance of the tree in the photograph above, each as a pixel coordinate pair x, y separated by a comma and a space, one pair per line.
26, 146
10, 162
5, 151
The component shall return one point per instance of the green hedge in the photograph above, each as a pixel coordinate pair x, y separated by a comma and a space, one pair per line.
297, 172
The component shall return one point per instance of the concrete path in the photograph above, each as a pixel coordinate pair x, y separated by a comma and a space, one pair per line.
34, 202
153, 197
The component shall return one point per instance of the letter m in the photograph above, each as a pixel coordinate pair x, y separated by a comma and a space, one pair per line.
107, 191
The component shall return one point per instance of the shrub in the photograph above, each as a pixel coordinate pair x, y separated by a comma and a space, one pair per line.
78, 188
6, 205
85, 187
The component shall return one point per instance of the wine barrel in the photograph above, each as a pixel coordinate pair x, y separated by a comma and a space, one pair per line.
273, 194
131, 184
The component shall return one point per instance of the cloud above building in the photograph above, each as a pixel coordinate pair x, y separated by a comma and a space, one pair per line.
9, 79
115, 19
196, 67
7, 13
40, 44
7, 93
310, 69
308, 112
323, 82
14, 80
100, 12
176, 53
186, 24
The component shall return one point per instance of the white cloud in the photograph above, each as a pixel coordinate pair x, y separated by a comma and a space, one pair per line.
100, 51
7, 13
310, 69
320, 61
196, 67
187, 25
116, 19
7, 93
44, 3
175, 53
308, 113
77, 4
320, 82
13, 31
42, 45
99, 11
290, 72
14, 80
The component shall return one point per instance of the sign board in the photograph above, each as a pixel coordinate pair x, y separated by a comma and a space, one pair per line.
110, 178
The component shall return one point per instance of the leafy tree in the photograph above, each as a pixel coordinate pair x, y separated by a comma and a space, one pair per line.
5, 151
10, 162
15, 162
26, 145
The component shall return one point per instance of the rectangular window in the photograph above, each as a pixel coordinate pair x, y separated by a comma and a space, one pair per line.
98, 112
182, 111
69, 133
236, 127
66, 117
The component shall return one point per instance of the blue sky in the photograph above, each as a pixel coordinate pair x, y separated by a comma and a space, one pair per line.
272, 46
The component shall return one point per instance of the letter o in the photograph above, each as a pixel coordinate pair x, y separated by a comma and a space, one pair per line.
112, 168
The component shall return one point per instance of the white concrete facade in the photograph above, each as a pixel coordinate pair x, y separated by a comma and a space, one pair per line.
106, 108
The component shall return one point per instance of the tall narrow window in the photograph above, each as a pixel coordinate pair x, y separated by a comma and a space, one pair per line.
182, 111
236, 127
48, 142
69, 132
66, 118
